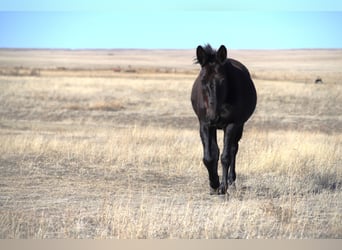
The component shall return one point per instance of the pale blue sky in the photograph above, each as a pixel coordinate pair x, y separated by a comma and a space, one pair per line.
170, 24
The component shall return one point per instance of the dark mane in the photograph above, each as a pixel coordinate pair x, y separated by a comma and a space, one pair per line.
211, 53
209, 50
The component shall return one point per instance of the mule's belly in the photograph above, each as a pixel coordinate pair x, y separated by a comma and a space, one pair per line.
232, 114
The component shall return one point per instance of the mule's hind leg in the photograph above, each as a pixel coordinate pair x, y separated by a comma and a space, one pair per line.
232, 135
233, 151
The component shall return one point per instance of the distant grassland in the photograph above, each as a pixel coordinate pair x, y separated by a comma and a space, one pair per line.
90, 151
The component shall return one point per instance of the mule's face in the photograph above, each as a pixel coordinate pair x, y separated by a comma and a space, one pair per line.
212, 80
211, 83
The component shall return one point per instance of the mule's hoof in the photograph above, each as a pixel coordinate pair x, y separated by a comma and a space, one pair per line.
231, 180
232, 186
213, 191
222, 190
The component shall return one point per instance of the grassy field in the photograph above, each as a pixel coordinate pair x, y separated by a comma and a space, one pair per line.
104, 144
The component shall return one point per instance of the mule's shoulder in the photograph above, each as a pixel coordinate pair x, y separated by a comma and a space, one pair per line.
238, 65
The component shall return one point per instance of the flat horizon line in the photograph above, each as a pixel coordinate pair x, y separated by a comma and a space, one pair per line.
149, 49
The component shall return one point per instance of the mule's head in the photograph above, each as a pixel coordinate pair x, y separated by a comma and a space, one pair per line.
212, 78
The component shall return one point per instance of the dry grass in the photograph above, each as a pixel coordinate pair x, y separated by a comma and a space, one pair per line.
120, 157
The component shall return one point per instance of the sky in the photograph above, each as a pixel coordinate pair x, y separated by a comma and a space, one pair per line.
176, 24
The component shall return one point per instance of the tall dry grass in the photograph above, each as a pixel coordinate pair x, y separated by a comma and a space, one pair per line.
99, 184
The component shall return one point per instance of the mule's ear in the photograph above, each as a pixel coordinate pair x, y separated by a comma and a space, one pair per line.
222, 54
201, 55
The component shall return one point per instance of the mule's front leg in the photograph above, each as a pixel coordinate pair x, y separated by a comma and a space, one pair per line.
210, 155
